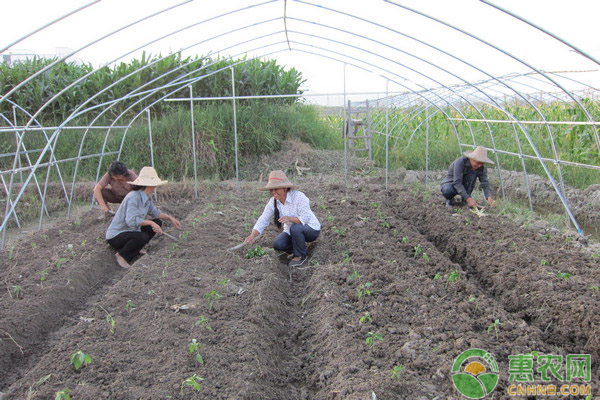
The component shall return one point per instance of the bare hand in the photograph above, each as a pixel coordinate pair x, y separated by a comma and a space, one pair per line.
471, 202
250, 239
176, 223
285, 220
156, 228
105, 208
492, 202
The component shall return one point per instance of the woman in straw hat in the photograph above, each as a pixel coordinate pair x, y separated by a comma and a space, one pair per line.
290, 209
129, 230
462, 174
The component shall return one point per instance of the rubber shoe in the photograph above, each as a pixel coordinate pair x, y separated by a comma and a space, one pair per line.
297, 263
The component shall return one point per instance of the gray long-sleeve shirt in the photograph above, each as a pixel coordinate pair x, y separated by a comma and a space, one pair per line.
461, 167
131, 214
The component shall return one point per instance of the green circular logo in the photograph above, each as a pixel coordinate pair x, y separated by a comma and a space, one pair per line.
475, 373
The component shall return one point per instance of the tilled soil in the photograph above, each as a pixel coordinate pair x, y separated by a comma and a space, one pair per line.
423, 282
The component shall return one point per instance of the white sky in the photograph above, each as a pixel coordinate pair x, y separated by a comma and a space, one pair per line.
574, 21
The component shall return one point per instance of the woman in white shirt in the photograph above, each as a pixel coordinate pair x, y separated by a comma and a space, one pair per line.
290, 209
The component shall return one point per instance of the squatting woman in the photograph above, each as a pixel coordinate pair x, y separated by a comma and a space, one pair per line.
289, 209
129, 230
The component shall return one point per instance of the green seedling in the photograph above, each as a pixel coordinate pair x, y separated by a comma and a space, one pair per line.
354, 275
99, 240
494, 325
256, 252
63, 395
213, 297
458, 210
563, 275
224, 282
467, 222
595, 288
44, 236
474, 299
330, 217
194, 347
418, 250
404, 240
70, 249
184, 235
437, 276
130, 306
59, 263
397, 371
79, 359
203, 322
452, 277
84, 243
76, 222
547, 236
10, 252
193, 382
347, 257
363, 290
43, 274
372, 337
425, 257
366, 318
339, 231
111, 321
33, 245
17, 292
544, 262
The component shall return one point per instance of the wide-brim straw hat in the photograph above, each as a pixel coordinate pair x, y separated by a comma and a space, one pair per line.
479, 154
278, 180
148, 177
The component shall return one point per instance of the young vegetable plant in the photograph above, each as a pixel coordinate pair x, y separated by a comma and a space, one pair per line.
17, 292
59, 263
111, 321
213, 297
354, 275
43, 273
397, 371
63, 395
563, 275
194, 347
203, 322
130, 306
193, 382
363, 290
79, 359
418, 250
256, 252
494, 325
372, 337
366, 318
452, 277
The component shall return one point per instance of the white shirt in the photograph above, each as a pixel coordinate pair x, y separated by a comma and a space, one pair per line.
296, 205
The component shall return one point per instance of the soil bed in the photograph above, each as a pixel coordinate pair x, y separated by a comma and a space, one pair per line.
380, 269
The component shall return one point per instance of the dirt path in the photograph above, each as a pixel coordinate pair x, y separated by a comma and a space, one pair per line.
423, 283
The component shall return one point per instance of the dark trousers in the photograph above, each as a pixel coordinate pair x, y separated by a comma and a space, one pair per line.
295, 242
129, 244
469, 179
109, 196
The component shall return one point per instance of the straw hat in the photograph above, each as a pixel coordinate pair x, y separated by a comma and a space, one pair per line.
277, 179
479, 154
148, 177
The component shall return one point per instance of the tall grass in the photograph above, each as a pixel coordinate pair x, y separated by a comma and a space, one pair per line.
407, 144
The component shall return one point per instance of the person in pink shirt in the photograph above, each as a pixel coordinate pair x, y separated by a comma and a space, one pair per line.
117, 177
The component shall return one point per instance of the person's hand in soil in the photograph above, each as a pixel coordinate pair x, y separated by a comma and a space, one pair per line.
471, 202
491, 201
252, 237
176, 222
